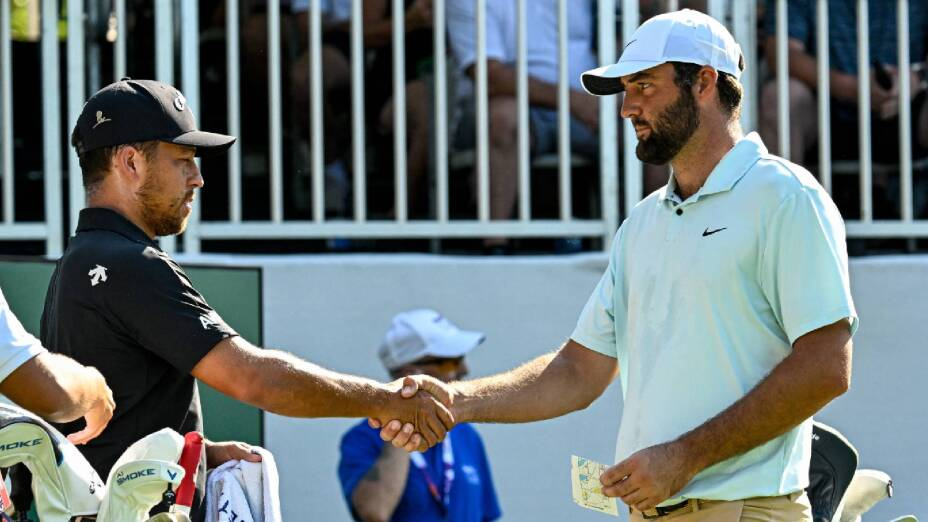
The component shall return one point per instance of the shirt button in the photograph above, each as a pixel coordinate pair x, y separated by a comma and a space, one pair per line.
679, 211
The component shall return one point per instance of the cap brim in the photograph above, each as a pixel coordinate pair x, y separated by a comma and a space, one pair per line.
604, 81
457, 345
206, 143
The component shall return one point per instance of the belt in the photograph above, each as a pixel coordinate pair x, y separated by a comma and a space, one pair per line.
661, 511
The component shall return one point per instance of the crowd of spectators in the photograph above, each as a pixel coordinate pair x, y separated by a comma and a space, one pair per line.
501, 41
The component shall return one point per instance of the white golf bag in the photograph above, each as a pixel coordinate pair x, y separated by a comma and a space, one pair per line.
64, 484
145, 474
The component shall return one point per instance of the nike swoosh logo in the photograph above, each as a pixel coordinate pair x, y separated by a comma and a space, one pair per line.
708, 232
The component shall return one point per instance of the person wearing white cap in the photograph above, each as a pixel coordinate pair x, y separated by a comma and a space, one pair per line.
451, 481
725, 308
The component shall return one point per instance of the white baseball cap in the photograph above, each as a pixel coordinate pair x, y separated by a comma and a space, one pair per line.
418, 333
680, 36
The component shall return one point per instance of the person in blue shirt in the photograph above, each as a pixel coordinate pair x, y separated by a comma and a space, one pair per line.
452, 480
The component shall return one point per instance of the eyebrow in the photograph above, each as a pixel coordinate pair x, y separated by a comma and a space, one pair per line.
643, 75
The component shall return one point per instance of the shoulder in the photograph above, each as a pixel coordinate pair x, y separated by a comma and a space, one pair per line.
774, 180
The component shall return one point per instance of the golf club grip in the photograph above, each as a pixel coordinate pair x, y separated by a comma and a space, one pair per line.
189, 460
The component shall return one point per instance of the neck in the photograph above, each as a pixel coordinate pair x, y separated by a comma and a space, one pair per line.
121, 207
708, 145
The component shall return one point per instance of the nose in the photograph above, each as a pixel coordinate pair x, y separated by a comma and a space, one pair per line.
196, 177
630, 106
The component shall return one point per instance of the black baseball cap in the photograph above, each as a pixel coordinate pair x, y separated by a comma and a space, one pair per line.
130, 111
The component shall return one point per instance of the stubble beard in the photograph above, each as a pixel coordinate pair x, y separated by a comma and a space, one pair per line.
162, 216
670, 131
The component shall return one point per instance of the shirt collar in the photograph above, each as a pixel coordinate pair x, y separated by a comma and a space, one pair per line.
98, 218
733, 166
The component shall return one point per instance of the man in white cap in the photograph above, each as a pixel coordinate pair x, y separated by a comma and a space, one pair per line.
725, 308
451, 481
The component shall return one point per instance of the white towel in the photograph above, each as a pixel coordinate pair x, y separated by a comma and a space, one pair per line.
240, 491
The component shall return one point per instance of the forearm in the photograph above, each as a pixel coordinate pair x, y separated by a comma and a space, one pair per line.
55, 387
376, 496
799, 386
293, 387
547, 387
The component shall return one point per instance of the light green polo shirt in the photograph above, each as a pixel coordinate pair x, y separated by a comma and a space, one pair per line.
704, 297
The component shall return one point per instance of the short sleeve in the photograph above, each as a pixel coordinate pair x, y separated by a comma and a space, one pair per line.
596, 326
16, 344
462, 33
359, 449
804, 271
157, 304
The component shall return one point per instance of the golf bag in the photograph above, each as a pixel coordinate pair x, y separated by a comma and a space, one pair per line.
64, 484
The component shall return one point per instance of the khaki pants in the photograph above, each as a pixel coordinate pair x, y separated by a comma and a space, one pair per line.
788, 508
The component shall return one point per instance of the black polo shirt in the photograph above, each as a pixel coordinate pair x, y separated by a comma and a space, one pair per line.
120, 304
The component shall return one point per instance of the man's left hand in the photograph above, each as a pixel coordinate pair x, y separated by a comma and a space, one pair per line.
650, 476
218, 453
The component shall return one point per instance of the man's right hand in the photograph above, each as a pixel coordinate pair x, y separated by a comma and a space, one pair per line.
404, 435
418, 421
99, 415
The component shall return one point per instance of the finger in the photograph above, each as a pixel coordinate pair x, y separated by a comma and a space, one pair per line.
416, 443
81, 437
621, 488
402, 436
390, 430
616, 473
410, 387
634, 498
445, 416
430, 437
252, 456
373, 423
437, 389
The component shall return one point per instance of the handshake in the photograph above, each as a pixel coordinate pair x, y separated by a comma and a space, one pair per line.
417, 414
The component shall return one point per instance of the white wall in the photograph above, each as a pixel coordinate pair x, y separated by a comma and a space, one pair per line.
333, 310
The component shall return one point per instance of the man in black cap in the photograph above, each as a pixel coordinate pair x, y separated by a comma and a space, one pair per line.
119, 303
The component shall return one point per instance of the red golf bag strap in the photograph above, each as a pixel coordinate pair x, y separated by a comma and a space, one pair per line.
189, 460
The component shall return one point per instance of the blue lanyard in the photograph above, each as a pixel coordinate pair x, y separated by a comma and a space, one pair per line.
443, 495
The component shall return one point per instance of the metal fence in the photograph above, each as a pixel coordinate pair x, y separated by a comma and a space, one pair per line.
177, 23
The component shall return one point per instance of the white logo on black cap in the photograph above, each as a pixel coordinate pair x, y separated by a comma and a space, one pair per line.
180, 102
100, 119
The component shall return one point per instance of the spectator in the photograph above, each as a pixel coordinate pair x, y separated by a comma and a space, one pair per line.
381, 482
336, 115
884, 99
542, 58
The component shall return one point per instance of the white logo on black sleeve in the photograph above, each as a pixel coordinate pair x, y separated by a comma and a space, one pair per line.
97, 275
210, 319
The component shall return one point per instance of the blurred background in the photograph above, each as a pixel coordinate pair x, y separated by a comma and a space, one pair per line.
446, 152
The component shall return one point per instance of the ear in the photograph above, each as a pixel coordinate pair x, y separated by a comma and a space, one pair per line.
129, 164
706, 85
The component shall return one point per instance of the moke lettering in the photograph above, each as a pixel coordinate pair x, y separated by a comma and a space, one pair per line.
20, 444
121, 479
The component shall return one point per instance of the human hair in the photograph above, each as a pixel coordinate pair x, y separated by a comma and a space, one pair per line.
95, 164
729, 88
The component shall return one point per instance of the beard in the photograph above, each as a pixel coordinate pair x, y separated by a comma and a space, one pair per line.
163, 215
671, 130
